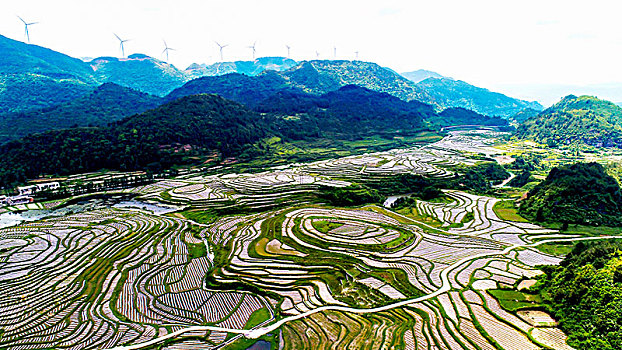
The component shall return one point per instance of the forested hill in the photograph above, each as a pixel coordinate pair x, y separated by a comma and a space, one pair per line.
584, 293
151, 140
448, 93
198, 125
234, 86
191, 127
584, 119
581, 193
321, 76
34, 77
462, 116
351, 110
107, 103
140, 72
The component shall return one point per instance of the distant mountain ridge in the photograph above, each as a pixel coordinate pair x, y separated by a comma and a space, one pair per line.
323, 76
208, 123
456, 93
251, 68
420, 75
139, 72
35, 77
585, 119
107, 103
49, 78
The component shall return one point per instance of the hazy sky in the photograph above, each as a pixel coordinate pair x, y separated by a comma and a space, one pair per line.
497, 44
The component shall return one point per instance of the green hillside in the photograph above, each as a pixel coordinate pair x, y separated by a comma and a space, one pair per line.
145, 141
33, 77
107, 103
584, 119
234, 86
525, 114
323, 76
448, 92
139, 72
584, 293
581, 193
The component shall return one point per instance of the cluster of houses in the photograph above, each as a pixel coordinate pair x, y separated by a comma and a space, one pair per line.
25, 193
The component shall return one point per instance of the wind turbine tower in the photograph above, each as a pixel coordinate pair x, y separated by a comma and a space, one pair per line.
288, 48
167, 49
26, 24
121, 41
221, 47
253, 48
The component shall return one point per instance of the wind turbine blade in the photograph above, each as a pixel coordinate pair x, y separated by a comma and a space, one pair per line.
29, 24
117, 37
21, 19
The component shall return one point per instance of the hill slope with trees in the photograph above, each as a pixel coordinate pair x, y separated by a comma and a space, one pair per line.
34, 77
152, 140
585, 119
448, 92
107, 103
581, 193
584, 293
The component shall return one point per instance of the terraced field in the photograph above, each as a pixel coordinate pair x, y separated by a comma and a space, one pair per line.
292, 273
109, 277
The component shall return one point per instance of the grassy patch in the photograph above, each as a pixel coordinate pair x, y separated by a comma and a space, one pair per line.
557, 249
197, 250
200, 216
588, 230
257, 317
512, 300
326, 226
506, 210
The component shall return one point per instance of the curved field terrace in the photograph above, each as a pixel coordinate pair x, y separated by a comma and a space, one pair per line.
276, 267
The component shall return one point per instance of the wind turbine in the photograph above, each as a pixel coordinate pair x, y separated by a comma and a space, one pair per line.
167, 49
121, 41
357, 54
250, 47
335, 52
288, 48
221, 47
26, 24
317, 54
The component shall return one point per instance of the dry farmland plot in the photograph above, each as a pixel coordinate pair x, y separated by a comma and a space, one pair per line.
320, 277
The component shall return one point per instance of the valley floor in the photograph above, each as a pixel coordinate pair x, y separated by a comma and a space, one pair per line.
250, 258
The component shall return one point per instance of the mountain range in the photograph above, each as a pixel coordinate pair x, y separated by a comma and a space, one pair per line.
190, 127
456, 93
33, 77
109, 102
251, 68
